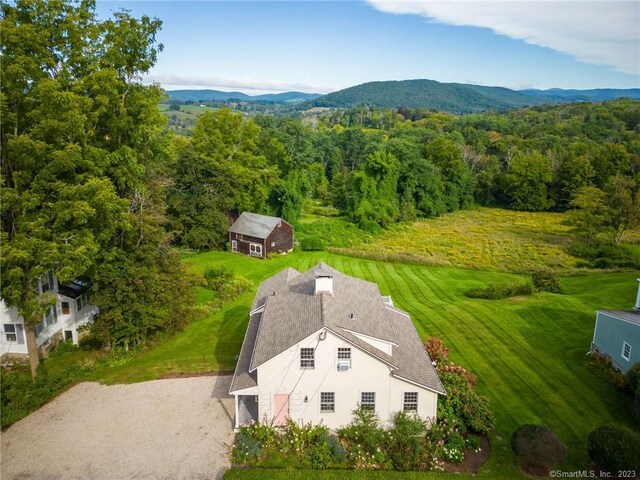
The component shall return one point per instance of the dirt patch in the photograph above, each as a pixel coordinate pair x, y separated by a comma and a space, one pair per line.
472, 460
174, 429
165, 376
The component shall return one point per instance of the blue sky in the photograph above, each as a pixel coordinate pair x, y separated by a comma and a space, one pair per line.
321, 46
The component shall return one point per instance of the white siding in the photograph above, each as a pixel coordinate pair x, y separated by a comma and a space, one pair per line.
282, 374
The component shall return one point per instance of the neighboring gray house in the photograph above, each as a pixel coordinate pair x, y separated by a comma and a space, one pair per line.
617, 335
320, 343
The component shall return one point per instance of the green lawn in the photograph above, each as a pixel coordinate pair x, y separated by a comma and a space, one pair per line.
528, 353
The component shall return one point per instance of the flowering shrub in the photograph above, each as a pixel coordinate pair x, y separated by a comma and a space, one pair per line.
436, 350
364, 440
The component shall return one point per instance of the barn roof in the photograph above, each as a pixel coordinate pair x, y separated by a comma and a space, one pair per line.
289, 311
254, 225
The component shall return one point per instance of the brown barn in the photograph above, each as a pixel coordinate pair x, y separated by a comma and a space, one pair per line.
259, 235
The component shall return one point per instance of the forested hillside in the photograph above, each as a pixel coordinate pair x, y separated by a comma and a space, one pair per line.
457, 97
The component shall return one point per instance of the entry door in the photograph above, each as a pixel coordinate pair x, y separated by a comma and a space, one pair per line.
234, 246
280, 408
255, 249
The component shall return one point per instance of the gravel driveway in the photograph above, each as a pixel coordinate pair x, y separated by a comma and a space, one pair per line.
165, 429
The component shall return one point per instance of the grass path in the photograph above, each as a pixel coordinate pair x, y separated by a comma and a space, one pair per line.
528, 353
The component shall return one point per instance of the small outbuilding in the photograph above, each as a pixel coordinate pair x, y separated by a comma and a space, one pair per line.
259, 235
617, 335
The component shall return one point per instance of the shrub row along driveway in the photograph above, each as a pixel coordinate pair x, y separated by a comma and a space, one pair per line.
164, 429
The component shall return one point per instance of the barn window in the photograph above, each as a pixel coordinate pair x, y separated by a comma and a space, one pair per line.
307, 359
626, 351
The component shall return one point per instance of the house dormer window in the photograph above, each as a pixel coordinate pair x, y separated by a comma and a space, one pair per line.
307, 358
626, 351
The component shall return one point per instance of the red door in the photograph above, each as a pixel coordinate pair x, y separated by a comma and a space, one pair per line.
280, 408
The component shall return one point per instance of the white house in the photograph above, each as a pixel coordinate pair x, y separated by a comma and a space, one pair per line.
61, 321
321, 343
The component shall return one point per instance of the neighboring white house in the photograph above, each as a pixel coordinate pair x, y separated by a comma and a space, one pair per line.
617, 335
61, 321
319, 344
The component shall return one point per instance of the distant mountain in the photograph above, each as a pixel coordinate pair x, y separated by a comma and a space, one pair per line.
594, 95
456, 97
217, 95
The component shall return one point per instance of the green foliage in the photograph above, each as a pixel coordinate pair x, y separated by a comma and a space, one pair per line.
498, 292
406, 443
526, 182
602, 366
546, 280
605, 255
364, 440
633, 377
312, 244
537, 446
636, 404
614, 447
464, 403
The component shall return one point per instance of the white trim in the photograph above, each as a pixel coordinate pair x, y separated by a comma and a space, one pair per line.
234, 246
394, 309
417, 384
595, 330
362, 349
353, 332
624, 346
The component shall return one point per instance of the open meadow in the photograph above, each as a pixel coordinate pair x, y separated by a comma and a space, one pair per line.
528, 352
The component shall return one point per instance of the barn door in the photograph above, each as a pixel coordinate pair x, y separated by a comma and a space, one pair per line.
280, 408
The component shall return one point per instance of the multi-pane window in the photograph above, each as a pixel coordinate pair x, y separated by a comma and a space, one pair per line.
626, 351
368, 400
344, 353
307, 359
410, 403
327, 402
45, 282
82, 301
66, 310
52, 316
14, 332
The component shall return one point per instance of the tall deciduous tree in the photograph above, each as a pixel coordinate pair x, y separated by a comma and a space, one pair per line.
74, 133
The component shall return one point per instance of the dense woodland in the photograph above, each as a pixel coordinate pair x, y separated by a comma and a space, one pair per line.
94, 182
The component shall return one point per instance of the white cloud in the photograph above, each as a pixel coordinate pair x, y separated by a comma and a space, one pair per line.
172, 81
596, 32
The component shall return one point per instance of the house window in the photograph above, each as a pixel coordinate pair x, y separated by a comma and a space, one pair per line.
344, 353
307, 359
368, 400
255, 249
327, 401
45, 282
410, 403
82, 301
626, 351
66, 310
52, 316
14, 332
273, 244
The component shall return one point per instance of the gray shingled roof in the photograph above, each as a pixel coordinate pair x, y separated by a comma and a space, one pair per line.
632, 316
254, 225
289, 311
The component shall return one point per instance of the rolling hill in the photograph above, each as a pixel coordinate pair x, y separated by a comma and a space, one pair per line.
456, 97
217, 95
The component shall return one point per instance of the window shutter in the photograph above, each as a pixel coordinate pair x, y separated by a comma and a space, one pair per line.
20, 333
